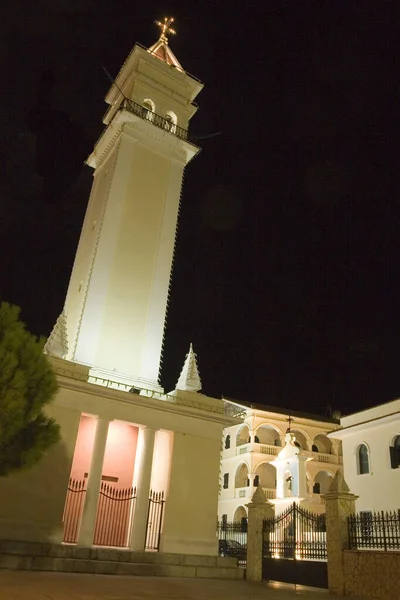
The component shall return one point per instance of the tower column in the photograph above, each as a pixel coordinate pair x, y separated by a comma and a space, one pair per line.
86, 531
139, 522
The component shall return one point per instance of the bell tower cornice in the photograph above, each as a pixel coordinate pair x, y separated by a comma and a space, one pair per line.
138, 129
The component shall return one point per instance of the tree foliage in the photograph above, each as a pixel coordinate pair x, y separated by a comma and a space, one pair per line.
27, 385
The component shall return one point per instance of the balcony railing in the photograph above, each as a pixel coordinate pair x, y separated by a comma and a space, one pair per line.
274, 451
261, 448
247, 492
324, 458
154, 119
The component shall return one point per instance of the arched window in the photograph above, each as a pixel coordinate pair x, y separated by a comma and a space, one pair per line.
363, 459
395, 453
227, 442
315, 448
171, 121
149, 109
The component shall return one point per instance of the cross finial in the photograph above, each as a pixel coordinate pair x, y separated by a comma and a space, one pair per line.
290, 421
165, 28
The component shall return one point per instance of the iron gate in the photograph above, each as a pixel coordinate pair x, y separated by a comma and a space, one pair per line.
294, 548
114, 512
73, 509
154, 520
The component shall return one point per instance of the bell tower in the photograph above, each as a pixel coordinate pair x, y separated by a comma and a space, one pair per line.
115, 308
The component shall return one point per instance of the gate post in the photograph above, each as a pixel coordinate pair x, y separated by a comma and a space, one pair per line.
259, 509
340, 503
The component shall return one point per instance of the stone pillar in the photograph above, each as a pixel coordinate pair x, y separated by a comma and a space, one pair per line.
86, 531
335, 450
309, 445
259, 509
340, 503
139, 521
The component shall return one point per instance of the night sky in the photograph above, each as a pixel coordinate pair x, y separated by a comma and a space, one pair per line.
286, 273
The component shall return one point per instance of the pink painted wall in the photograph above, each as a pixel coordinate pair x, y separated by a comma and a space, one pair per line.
83, 447
119, 460
120, 455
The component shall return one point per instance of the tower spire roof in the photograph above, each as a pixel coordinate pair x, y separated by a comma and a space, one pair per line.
189, 379
161, 49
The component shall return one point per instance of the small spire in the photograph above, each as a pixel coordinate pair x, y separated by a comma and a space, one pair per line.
57, 342
189, 379
161, 49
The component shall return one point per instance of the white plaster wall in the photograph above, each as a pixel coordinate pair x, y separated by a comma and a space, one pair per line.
117, 317
32, 501
191, 511
379, 489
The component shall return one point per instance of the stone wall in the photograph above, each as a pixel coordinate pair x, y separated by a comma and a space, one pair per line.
372, 575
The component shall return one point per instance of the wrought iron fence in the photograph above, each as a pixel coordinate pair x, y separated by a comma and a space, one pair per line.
154, 520
73, 509
232, 540
161, 122
374, 530
296, 534
114, 512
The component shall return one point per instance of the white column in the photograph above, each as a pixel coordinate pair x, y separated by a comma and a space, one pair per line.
86, 531
139, 521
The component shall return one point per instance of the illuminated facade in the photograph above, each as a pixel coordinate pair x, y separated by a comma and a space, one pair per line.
296, 467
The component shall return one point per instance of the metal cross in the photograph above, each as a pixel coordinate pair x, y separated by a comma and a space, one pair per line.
166, 28
290, 421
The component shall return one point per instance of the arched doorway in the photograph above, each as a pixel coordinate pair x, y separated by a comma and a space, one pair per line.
265, 475
242, 436
322, 482
322, 444
267, 434
240, 514
241, 476
300, 439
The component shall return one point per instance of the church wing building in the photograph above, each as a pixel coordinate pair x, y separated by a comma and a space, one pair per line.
136, 467
371, 454
288, 454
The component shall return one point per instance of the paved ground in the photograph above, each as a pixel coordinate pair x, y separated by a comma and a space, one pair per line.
25, 585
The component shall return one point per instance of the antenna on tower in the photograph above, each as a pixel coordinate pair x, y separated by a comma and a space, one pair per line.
113, 82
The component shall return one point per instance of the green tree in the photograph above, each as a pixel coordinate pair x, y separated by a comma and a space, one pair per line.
27, 385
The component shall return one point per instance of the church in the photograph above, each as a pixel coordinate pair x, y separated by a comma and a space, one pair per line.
136, 467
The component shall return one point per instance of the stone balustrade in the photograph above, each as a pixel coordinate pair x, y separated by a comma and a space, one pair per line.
274, 451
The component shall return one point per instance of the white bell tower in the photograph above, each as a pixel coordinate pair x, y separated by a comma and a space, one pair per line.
291, 477
114, 313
